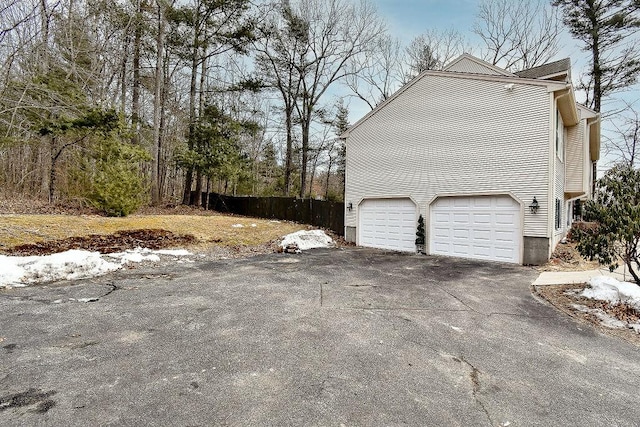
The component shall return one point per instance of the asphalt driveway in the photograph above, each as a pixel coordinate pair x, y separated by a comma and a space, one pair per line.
329, 337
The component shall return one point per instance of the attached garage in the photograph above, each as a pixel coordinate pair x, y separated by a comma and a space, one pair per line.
387, 224
485, 228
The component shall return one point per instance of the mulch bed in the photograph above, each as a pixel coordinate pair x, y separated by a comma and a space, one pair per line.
107, 243
563, 297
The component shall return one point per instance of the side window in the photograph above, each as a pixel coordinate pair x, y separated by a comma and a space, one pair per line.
558, 214
569, 213
559, 136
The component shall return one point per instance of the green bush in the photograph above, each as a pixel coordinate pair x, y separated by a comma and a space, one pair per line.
614, 234
117, 186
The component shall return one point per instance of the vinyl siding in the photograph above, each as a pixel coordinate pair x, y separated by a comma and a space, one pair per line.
576, 179
448, 136
575, 171
559, 233
468, 66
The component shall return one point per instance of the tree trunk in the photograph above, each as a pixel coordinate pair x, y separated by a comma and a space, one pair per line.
306, 124
135, 92
198, 199
157, 107
289, 154
186, 197
52, 170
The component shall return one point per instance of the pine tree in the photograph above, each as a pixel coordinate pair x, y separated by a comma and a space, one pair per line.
604, 27
420, 235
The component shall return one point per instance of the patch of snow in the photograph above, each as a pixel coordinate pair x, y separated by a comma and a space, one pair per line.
254, 225
237, 226
308, 239
135, 255
173, 252
606, 288
20, 271
605, 320
69, 265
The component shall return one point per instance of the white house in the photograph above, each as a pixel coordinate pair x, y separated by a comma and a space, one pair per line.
472, 148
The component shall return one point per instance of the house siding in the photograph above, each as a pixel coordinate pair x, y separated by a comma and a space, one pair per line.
576, 179
455, 136
469, 66
559, 233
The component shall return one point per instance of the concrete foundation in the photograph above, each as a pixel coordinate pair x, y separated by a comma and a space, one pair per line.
350, 234
536, 250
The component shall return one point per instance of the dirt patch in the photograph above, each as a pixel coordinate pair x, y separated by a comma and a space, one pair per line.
567, 297
107, 243
567, 258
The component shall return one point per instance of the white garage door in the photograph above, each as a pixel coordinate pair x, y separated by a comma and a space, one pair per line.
388, 224
486, 228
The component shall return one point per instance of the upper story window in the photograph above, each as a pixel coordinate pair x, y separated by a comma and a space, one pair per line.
559, 136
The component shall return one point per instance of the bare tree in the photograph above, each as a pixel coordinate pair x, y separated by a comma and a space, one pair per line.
432, 50
518, 34
623, 145
377, 73
338, 31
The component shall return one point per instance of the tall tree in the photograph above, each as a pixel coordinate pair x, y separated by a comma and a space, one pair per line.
518, 34
338, 31
377, 73
432, 50
212, 27
606, 28
281, 48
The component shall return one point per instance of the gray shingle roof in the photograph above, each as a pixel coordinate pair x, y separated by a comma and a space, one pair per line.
546, 69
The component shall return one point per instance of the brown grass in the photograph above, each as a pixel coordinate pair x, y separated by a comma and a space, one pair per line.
209, 230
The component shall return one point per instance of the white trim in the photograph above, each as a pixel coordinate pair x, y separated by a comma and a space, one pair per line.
478, 61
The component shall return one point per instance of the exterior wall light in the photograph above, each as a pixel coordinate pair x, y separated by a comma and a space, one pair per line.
350, 207
534, 205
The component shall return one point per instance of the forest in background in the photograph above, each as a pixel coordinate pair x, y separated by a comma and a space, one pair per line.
117, 103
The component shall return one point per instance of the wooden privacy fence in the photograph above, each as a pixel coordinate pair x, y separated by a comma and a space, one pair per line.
329, 215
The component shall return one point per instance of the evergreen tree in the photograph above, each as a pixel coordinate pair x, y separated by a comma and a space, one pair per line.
605, 27
420, 234
616, 213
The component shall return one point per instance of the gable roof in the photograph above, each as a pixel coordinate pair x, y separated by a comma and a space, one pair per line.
500, 76
466, 63
550, 69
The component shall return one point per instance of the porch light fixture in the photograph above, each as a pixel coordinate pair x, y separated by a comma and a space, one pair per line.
350, 207
534, 205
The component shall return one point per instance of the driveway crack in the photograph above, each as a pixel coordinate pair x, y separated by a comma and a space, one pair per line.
474, 376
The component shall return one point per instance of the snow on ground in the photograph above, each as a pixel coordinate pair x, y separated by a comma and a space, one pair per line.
21, 271
606, 288
308, 239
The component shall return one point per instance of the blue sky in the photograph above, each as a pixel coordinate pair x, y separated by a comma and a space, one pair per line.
409, 18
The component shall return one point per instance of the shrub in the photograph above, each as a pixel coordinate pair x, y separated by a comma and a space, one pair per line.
116, 185
616, 213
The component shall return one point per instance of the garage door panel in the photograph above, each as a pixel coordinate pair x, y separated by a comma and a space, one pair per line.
461, 202
485, 228
479, 202
387, 224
